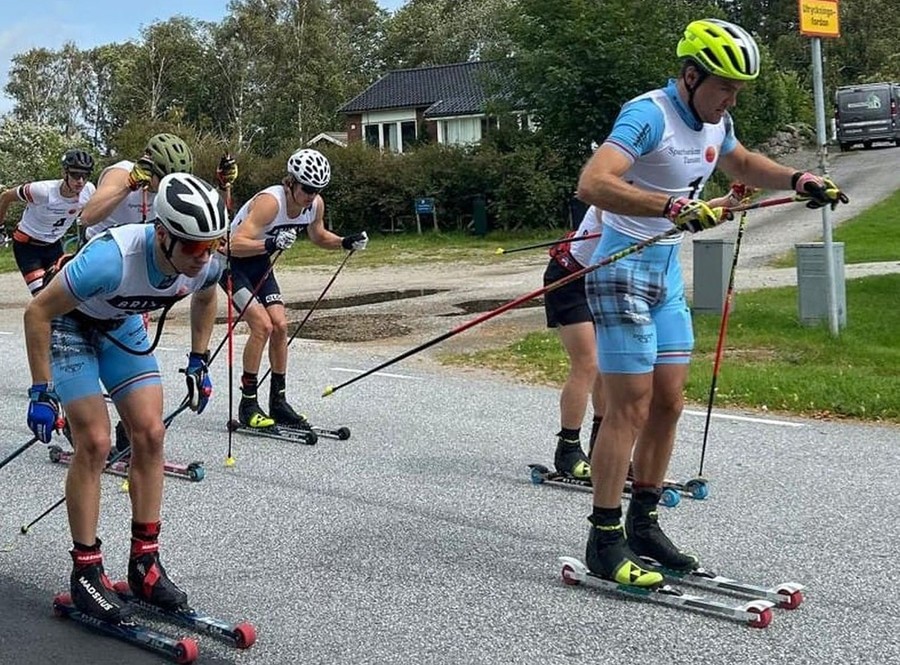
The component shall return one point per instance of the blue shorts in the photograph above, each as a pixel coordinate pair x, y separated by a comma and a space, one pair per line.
640, 313
81, 357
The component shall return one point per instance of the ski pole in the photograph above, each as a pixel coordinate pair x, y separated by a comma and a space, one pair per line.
229, 292
571, 277
549, 243
18, 451
253, 293
720, 344
25, 528
768, 203
310, 311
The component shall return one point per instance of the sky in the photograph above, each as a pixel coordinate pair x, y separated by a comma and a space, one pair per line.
50, 24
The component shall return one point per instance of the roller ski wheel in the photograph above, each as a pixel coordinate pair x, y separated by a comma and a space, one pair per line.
756, 613
539, 473
55, 453
196, 472
239, 635
697, 488
669, 498
794, 597
182, 650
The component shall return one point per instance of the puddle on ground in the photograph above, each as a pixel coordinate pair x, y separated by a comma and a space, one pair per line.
479, 306
363, 299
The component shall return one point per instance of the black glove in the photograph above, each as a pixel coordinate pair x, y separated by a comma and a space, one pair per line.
821, 190
355, 241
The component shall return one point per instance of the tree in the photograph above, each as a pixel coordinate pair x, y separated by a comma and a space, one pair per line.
44, 85
32, 151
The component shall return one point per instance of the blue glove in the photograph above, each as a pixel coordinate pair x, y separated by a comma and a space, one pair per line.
43, 411
199, 385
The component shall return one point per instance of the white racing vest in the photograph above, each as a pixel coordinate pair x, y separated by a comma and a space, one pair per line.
48, 214
679, 166
582, 250
129, 210
306, 217
135, 294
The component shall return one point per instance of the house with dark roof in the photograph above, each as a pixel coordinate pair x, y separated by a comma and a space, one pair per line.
446, 103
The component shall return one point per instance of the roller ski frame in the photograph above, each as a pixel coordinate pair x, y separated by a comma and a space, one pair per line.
239, 635
194, 471
787, 596
756, 613
177, 649
292, 434
696, 488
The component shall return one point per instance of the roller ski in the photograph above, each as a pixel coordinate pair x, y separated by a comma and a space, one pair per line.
239, 635
541, 475
254, 422
287, 419
92, 600
755, 613
787, 596
119, 464
176, 649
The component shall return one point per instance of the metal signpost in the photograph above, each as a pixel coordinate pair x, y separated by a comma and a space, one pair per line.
818, 19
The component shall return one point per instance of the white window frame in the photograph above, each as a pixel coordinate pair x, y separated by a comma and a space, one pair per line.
441, 138
383, 119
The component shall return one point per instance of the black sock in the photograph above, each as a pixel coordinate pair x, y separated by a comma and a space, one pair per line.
249, 384
146, 531
277, 387
606, 516
81, 547
570, 436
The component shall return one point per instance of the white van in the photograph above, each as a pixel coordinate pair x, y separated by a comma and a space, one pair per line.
866, 113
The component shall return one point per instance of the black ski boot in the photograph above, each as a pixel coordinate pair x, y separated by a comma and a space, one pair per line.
148, 579
92, 592
283, 413
570, 459
608, 555
251, 415
646, 538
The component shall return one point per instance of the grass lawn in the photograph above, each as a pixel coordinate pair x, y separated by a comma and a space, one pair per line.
770, 361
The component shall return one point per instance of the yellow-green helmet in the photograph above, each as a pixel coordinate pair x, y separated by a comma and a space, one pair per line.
721, 48
169, 154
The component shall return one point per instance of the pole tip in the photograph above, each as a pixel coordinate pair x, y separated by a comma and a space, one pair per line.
328, 390
499, 250
23, 529
229, 462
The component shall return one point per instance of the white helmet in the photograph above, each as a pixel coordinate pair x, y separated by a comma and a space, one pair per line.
190, 208
310, 168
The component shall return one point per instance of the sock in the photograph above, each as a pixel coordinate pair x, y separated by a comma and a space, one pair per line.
606, 516
570, 436
144, 538
277, 387
81, 547
249, 384
84, 556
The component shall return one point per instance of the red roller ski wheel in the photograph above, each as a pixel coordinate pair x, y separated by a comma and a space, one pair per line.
186, 651
245, 635
568, 576
795, 598
763, 619
61, 599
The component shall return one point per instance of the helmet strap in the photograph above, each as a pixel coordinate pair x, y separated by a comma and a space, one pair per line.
167, 251
691, 89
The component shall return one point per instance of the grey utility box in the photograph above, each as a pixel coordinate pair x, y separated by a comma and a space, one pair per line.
812, 283
712, 266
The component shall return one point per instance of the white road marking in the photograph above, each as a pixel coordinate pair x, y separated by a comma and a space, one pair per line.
746, 419
361, 371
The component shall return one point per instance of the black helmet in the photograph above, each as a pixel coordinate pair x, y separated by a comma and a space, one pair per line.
78, 160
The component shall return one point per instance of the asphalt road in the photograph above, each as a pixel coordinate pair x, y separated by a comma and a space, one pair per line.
421, 539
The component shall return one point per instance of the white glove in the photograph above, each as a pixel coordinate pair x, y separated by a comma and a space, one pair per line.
355, 242
282, 240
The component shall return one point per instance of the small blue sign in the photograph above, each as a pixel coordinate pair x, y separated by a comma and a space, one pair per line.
425, 206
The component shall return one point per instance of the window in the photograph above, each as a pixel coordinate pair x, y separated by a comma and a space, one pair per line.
460, 131
407, 134
393, 136
372, 135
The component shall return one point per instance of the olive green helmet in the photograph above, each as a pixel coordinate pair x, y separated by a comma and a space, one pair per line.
169, 154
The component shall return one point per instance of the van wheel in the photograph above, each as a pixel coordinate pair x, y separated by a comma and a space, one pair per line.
845, 147
897, 142
867, 145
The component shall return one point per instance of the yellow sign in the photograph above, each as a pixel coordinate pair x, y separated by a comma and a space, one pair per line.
819, 18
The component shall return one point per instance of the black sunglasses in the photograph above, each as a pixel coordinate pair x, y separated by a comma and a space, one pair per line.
306, 189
